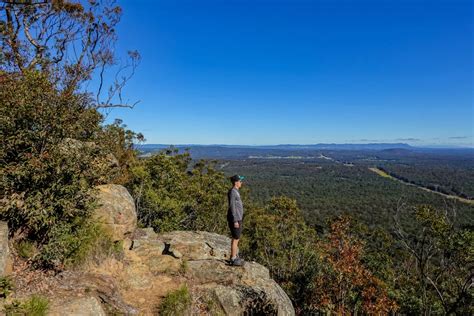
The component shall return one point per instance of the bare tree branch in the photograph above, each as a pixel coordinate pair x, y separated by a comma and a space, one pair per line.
46, 35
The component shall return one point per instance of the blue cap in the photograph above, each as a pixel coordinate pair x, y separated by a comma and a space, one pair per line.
236, 178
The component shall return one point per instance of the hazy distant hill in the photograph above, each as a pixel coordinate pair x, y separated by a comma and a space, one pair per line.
372, 146
243, 151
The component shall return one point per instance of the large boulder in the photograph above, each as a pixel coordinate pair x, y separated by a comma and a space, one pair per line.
245, 290
116, 210
81, 306
4, 250
196, 245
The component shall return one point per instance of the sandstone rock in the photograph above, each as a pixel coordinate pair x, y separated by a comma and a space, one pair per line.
198, 245
111, 161
99, 285
137, 276
83, 306
4, 250
175, 253
164, 264
145, 233
229, 299
148, 270
250, 287
146, 244
206, 271
116, 210
240, 300
279, 296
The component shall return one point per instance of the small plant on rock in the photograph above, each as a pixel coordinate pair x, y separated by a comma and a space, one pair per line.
34, 306
176, 302
183, 268
6, 287
26, 249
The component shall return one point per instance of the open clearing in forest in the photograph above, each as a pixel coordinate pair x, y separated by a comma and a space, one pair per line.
449, 196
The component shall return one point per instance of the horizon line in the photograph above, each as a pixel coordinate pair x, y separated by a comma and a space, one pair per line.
427, 146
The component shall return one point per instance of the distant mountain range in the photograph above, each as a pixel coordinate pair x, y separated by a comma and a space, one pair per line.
284, 150
292, 150
372, 146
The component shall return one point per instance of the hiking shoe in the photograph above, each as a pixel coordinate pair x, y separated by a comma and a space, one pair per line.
238, 262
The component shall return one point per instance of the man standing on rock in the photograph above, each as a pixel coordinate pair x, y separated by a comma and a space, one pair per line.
235, 214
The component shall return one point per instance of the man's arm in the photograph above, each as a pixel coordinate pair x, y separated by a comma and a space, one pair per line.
233, 209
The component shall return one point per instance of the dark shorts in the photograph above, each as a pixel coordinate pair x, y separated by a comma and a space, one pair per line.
235, 232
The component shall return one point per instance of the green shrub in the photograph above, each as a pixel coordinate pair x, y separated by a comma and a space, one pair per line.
117, 248
6, 287
72, 245
176, 302
26, 249
54, 149
34, 306
171, 193
277, 237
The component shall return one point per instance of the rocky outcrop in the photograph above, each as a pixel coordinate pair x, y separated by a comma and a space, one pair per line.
196, 245
4, 250
248, 289
83, 306
199, 260
116, 210
149, 269
149, 266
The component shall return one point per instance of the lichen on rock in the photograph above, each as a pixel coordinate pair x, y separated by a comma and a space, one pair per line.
116, 210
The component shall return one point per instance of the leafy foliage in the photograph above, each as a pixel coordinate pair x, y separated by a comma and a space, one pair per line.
119, 142
354, 268
51, 157
74, 243
6, 286
442, 176
277, 237
26, 248
440, 258
344, 285
171, 194
54, 149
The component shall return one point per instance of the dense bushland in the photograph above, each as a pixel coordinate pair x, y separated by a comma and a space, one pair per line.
349, 268
172, 193
54, 145
53, 152
324, 188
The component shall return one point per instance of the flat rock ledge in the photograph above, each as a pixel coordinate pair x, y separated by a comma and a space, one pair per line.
238, 290
155, 264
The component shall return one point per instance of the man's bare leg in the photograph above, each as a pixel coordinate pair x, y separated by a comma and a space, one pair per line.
234, 246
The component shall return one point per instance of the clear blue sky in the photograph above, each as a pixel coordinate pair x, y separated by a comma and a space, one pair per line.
272, 72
